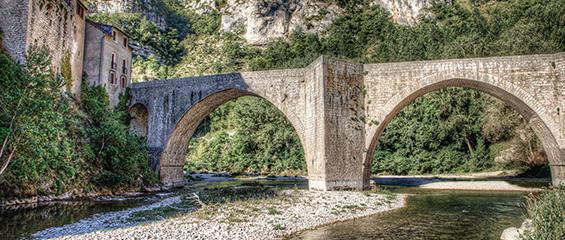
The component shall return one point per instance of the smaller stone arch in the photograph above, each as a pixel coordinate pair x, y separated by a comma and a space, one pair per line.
139, 119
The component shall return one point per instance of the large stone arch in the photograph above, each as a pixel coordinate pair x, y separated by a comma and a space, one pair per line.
527, 105
173, 156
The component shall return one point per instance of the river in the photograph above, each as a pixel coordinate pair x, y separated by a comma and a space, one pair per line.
434, 215
430, 214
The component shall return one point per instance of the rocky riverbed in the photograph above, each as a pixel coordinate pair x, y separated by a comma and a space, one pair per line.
289, 212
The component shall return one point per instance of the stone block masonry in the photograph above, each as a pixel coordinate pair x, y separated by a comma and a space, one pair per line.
340, 109
54, 24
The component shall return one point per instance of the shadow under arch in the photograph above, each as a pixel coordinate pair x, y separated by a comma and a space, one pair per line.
172, 158
530, 113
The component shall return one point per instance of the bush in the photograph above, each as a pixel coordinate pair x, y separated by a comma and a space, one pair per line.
122, 158
548, 214
56, 144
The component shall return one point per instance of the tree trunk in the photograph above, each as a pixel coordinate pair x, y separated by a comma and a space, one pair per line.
7, 161
469, 146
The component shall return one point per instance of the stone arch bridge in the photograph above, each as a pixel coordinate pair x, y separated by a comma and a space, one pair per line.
339, 109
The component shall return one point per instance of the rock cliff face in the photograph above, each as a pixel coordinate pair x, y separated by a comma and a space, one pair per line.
406, 12
260, 21
148, 8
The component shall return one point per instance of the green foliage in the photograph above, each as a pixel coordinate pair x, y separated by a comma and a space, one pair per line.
548, 214
454, 130
205, 24
440, 132
34, 117
57, 147
247, 135
66, 71
121, 157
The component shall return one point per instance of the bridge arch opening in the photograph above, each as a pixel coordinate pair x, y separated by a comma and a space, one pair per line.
530, 112
139, 119
172, 161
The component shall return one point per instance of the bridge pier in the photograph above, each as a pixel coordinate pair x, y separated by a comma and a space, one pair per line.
558, 171
558, 174
335, 134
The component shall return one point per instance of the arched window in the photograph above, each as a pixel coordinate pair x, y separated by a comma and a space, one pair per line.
112, 77
123, 81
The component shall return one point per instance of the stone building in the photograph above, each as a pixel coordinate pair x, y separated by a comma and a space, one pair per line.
58, 25
108, 58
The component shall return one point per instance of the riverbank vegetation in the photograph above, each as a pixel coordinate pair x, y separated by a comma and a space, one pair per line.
548, 214
54, 143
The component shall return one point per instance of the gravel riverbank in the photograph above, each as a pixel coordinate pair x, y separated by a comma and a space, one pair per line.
290, 212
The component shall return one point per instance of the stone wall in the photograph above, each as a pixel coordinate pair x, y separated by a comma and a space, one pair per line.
93, 46
100, 46
122, 53
13, 25
54, 24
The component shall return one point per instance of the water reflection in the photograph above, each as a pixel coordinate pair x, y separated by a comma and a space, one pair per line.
21, 223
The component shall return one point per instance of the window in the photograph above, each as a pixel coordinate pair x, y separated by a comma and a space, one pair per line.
124, 67
125, 42
112, 77
80, 10
123, 81
113, 65
113, 35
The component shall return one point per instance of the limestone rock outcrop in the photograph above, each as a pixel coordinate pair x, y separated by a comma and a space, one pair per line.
408, 12
513, 233
262, 21
148, 8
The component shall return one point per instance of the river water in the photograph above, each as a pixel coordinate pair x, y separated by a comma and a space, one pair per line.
430, 214
434, 215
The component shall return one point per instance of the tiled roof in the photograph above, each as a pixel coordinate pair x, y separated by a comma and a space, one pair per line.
105, 28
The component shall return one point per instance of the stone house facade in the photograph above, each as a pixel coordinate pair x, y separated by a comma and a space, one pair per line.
108, 58
58, 25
